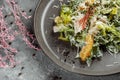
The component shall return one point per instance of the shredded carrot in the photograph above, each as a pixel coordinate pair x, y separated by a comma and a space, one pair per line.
84, 20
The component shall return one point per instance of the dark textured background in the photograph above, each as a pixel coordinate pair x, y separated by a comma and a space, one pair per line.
35, 65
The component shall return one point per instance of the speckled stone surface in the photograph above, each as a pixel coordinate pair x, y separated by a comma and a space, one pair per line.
35, 65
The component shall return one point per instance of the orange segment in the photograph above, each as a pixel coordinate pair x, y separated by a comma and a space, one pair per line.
86, 50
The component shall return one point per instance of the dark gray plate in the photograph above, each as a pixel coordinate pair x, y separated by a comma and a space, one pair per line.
61, 52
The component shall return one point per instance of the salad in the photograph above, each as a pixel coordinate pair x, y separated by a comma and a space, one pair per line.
90, 25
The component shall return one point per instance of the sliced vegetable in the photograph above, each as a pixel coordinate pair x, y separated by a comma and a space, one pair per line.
90, 1
114, 10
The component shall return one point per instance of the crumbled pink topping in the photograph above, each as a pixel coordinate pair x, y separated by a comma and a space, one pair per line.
8, 35
17, 12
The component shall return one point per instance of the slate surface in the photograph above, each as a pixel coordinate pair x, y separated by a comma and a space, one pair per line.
35, 65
